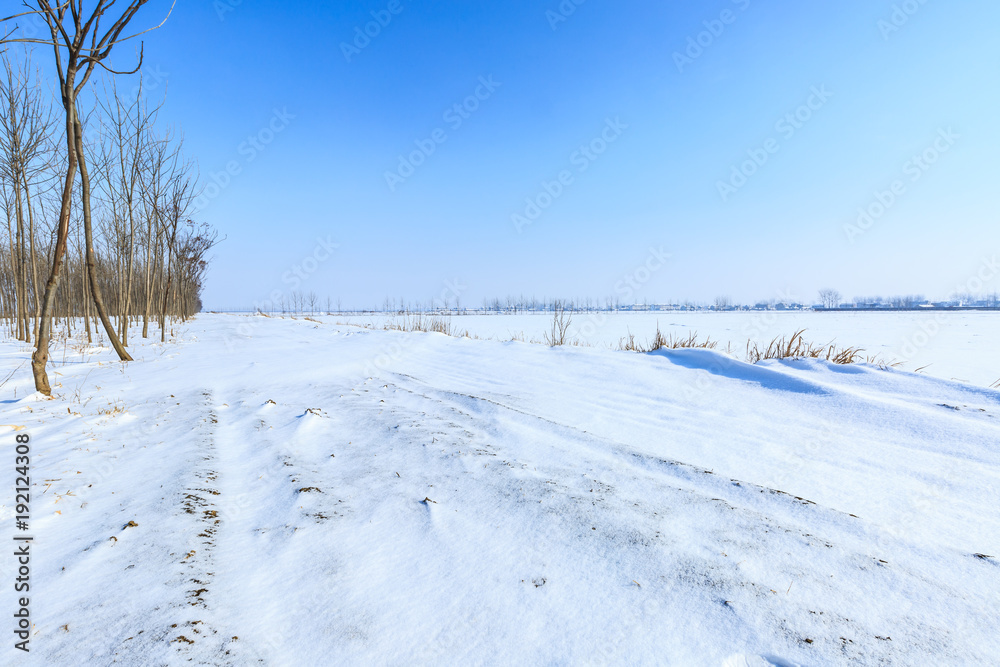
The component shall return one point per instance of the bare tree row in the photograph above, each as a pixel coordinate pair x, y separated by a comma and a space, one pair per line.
97, 200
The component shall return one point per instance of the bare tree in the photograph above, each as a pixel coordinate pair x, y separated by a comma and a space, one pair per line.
88, 235
25, 152
192, 263
125, 134
79, 46
561, 319
830, 298
180, 194
162, 163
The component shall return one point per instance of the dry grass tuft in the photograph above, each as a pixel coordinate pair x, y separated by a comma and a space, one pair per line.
427, 324
882, 364
779, 348
660, 341
683, 343
628, 344
847, 355
113, 409
796, 347
784, 347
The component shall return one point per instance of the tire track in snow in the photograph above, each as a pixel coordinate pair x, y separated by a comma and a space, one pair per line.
197, 636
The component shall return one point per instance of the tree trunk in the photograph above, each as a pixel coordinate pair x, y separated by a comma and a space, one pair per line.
95, 289
83, 298
40, 357
34, 263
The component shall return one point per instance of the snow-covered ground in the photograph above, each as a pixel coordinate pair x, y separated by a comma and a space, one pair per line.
306, 493
951, 345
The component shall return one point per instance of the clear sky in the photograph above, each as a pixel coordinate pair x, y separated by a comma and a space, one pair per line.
643, 109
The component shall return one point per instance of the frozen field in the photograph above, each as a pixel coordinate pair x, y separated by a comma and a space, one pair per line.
307, 493
952, 345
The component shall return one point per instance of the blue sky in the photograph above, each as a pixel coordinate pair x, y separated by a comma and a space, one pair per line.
889, 89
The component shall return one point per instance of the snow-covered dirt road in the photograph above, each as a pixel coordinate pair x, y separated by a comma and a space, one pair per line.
309, 494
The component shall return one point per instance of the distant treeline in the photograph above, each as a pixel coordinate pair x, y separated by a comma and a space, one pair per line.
297, 303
